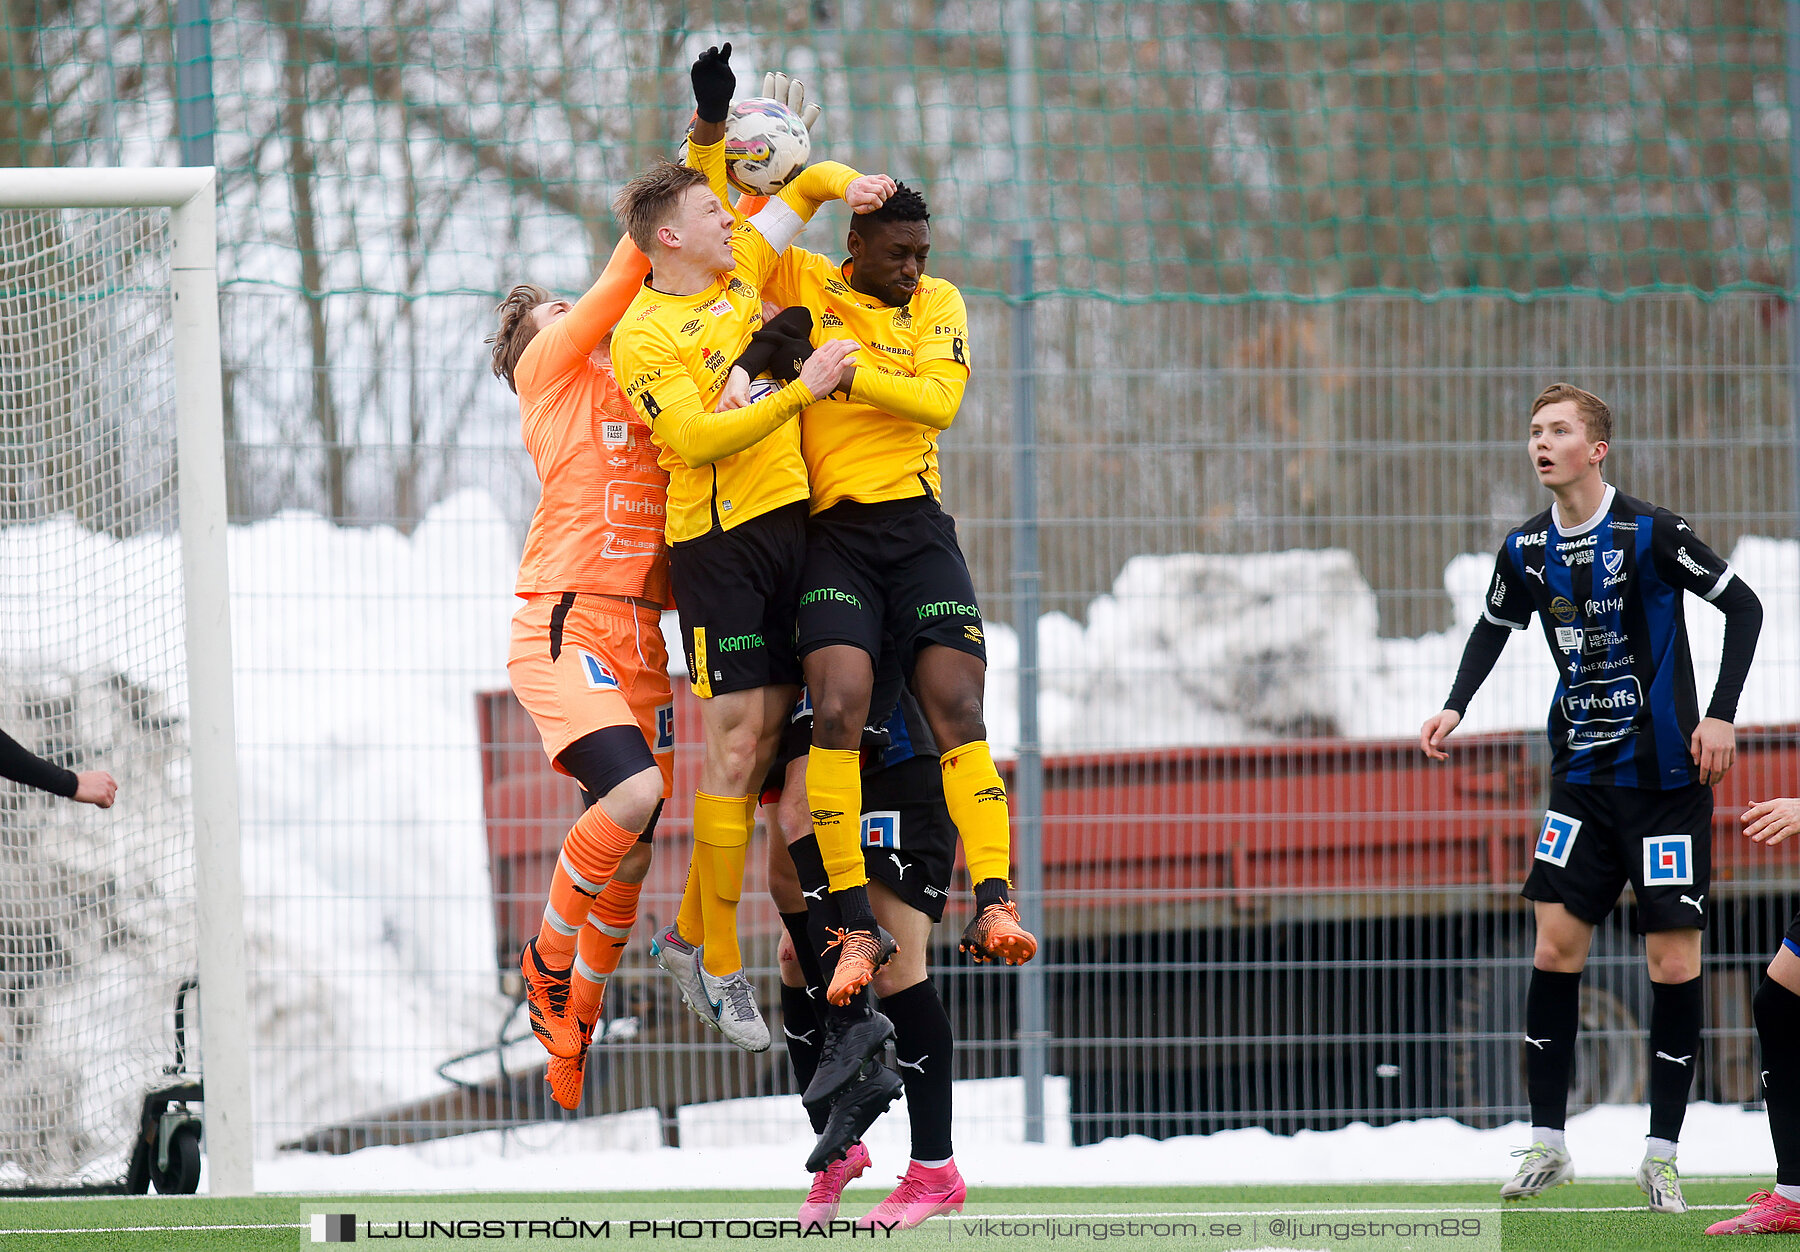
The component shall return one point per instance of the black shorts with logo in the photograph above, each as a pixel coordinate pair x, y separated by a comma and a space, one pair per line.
736, 591
1595, 839
909, 841
892, 569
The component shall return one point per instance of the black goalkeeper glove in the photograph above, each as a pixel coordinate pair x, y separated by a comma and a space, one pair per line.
781, 347
714, 84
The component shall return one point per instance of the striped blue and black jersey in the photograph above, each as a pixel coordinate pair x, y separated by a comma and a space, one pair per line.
1609, 595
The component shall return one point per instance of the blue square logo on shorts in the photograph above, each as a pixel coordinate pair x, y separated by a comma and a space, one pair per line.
1669, 861
1557, 837
665, 728
881, 829
594, 670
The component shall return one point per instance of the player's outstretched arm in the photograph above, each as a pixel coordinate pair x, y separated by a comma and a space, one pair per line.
1771, 821
930, 398
666, 397
593, 317
23, 766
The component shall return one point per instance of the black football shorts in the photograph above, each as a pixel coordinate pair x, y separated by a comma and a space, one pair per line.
1595, 839
736, 592
891, 570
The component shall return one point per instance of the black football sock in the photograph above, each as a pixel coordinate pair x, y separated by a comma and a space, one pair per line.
1777, 1013
853, 907
801, 1027
1552, 1016
923, 1049
991, 891
1676, 1013
821, 906
798, 932
822, 918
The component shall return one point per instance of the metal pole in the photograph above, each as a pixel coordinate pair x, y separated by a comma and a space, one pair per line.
193, 81
1793, 274
1028, 770
1028, 776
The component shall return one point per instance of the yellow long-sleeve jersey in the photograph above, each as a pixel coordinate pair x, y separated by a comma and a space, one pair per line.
672, 355
881, 441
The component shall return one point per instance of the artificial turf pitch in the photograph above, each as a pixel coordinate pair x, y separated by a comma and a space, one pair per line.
1586, 1216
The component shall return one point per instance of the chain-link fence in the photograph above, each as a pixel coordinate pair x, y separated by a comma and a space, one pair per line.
1301, 268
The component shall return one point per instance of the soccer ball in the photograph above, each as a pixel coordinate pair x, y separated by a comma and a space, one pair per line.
766, 146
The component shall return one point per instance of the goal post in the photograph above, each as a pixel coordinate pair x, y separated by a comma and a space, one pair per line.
199, 462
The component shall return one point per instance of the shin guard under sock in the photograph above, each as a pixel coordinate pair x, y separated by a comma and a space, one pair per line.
923, 1049
721, 840
1676, 1013
1552, 1016
801, 1027
590, 856
977, 802
1777, 1013
834, 794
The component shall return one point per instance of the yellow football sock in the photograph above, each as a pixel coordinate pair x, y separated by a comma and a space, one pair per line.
834, 794
690, 923
976, 799
721, 839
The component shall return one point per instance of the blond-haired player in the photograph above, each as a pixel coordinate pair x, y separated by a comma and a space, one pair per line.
737, 508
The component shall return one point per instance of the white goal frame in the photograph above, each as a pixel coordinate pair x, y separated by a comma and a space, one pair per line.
224, 1017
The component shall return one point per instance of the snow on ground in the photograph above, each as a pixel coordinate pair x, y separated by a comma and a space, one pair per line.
623, 1152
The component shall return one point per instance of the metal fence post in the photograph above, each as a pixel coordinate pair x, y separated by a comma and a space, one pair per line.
193, 80
1028, 776
1793, 275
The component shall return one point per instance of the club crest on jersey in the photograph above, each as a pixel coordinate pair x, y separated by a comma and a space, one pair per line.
1613, 559
1557, 837
1669, 861
881, 829
599, 678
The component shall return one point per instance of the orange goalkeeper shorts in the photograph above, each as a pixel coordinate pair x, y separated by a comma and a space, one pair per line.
583, 662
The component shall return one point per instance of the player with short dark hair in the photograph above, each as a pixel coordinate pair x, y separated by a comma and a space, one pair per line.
737, 511
883, 562
1632, 765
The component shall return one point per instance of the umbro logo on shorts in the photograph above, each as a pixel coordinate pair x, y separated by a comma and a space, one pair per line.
991, 793
826, 815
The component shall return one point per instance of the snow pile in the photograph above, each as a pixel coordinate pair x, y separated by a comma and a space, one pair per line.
1191, 649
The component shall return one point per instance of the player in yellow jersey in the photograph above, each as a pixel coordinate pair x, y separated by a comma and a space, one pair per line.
883, 559
737, 509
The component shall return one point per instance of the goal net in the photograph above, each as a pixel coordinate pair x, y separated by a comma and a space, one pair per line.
101, 927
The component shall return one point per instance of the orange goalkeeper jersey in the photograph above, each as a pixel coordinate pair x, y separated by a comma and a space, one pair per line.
599, 520
880, 442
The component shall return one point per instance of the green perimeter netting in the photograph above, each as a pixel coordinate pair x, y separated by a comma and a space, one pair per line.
1165, 149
